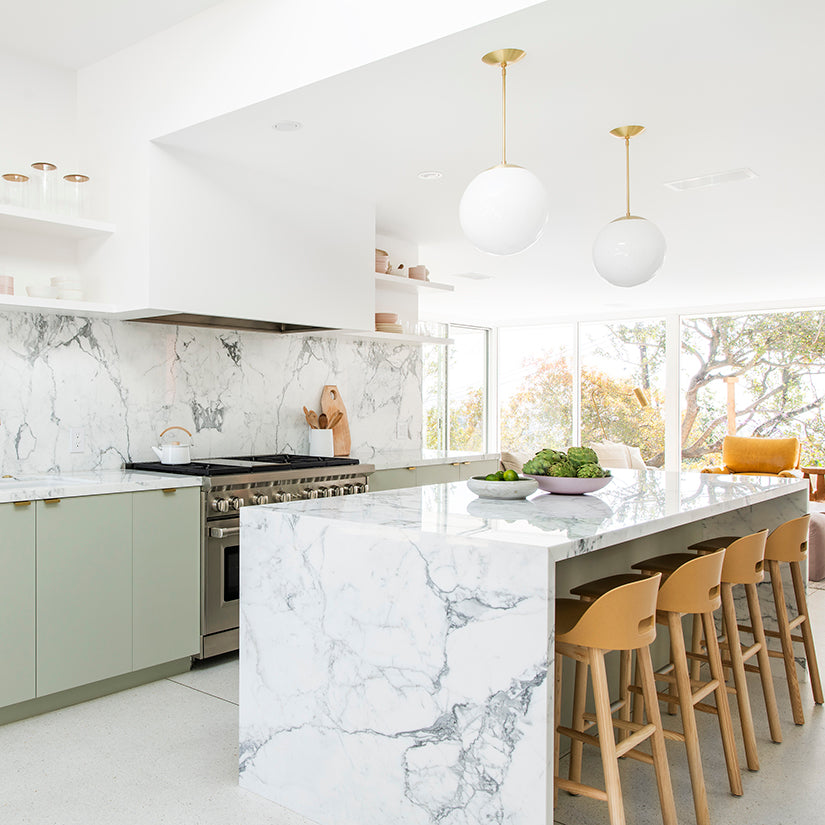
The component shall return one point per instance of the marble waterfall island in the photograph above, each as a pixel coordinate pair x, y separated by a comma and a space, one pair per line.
395, 646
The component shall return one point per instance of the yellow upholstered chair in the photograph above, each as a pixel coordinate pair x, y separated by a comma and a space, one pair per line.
759, 457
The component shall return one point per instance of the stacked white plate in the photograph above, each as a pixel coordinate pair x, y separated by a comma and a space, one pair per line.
67, 288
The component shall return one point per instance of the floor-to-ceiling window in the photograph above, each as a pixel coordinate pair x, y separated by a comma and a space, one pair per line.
535, 383
755, 374
622, 370
455, 388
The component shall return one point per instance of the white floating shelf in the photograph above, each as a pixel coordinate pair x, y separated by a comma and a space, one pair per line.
41, 223
56, 306
409, 284
389, 337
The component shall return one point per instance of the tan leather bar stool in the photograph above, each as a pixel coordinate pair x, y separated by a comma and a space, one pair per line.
621, 619
744, 565
788, 543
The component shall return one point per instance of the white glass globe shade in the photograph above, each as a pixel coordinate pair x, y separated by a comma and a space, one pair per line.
629, 251
503, 210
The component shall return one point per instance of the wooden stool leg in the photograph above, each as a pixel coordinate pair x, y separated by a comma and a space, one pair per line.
638, 707
610, 761
556, 723
739, 680
696, 647
657, 741
680, 670
786, 641
807, 633
722, 706
625, 663
764, 662
577, 723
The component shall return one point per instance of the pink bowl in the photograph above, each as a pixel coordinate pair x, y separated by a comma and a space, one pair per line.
570, 486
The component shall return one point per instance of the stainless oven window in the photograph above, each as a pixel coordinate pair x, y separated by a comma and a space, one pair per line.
231, 573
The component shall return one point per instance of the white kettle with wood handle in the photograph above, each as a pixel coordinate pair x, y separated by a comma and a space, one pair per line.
173, 452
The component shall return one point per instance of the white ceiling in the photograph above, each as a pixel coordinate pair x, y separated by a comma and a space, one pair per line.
76, 33
719, 84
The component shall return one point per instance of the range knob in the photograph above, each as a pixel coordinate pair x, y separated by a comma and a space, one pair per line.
279, 497
326, 492
260, 499
236, 503
309, 493
336, 490
220, 504
359, 488
346, 490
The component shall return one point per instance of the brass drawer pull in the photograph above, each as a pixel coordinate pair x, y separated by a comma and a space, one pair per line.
170, 490
51, 501
410, 468
22, 504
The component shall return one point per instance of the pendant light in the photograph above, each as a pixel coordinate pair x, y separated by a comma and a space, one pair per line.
629, 250
504, 209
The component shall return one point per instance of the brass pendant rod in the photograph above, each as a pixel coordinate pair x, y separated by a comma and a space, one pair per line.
504, 113
627, 164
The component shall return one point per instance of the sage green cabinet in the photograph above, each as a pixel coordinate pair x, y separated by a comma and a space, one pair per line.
166, 576
84, 590
397, 479
478, 468
17, 603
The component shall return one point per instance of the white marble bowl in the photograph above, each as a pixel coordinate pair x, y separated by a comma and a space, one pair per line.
502, 489
570, 486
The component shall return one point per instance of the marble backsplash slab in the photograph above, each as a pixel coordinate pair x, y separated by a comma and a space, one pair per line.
122, 383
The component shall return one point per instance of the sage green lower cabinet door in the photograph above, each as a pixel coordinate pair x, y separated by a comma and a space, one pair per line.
437, 473
166, 567
17, 603
478, 468
398, 479
84, 590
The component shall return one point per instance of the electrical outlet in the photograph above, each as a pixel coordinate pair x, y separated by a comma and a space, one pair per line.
77, 440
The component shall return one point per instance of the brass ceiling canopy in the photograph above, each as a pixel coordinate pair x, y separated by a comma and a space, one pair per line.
503, 57
627, 132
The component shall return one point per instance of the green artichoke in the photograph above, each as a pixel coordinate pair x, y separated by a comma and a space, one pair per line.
579, 456
590, 471
564, 469
551, 456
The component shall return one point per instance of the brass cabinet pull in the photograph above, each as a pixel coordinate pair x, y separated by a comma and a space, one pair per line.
51, 501
410, 468
22, 504
170, 490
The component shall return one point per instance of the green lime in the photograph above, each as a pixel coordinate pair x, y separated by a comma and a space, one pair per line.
500, 475
510, 475
491, 477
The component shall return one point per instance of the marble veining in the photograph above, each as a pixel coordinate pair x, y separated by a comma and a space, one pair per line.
101, 482
237, 392
395, 646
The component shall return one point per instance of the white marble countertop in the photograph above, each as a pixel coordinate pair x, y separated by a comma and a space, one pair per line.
636, 503
396, 459
100, 482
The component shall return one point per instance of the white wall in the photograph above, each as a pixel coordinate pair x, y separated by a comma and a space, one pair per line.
232, 55
227, 241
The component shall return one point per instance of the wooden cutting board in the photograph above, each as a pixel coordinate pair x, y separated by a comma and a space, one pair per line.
330, 404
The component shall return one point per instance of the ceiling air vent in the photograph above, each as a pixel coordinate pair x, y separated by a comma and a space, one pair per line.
716, 179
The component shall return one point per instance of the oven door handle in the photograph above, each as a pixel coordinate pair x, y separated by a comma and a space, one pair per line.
223, 532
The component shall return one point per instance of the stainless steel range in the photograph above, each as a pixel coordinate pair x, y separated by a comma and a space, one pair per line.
248, 481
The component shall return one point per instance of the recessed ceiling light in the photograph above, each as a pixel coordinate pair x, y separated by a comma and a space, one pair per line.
716, 179
431, 174
287, 125
474, 276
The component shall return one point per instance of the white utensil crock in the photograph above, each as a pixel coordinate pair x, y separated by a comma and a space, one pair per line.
320, 443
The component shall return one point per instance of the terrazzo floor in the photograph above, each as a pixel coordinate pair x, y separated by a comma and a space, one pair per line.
166, 754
